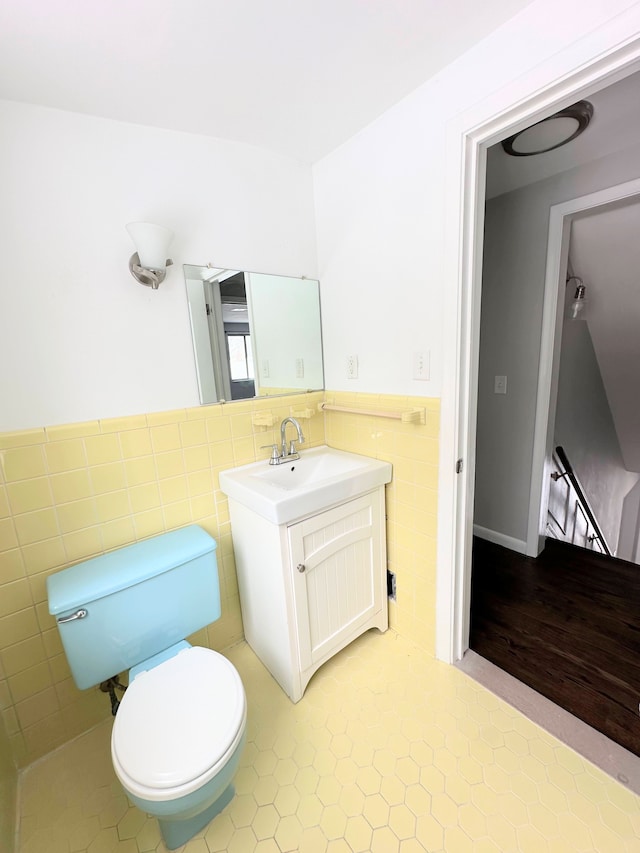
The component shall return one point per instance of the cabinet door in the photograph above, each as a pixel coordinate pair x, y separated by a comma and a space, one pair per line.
337, 575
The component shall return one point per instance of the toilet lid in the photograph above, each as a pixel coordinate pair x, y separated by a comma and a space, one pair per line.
177, 723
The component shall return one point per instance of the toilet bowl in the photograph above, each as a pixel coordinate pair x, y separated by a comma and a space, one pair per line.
177, 739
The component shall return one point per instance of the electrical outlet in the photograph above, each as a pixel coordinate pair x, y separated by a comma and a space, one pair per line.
352, 367
299, 368
265, 368
500, 385
421, 365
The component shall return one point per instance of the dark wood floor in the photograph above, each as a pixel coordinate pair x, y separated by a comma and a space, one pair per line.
566, 624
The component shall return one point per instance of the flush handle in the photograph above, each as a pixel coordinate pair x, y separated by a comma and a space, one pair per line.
79, 614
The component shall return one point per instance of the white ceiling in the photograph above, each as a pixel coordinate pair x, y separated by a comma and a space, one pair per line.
295, 76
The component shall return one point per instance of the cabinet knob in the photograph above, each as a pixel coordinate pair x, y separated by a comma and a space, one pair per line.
301, 567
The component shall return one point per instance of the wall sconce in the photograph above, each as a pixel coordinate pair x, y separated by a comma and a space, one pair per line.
149, 264
579, 299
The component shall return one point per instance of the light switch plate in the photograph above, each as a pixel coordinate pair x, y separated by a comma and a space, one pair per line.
500, 385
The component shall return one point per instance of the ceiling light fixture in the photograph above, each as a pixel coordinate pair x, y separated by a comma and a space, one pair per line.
551, 132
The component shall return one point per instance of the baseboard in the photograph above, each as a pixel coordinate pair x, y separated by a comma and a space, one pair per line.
509, 542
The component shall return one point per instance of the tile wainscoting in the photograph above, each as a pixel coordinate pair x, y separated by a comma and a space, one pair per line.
68, 493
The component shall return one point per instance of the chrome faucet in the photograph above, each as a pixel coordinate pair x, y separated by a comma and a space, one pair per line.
282, 453
290, 453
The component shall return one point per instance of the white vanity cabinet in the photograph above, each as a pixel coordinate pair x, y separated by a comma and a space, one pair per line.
310, 587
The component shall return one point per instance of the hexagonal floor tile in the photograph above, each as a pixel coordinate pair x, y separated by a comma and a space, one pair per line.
388, 750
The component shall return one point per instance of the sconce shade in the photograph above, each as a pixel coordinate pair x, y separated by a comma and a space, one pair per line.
152, 243
149, 265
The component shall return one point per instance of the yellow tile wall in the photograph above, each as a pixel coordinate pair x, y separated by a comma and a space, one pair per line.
411, 497
68, 493
8, 791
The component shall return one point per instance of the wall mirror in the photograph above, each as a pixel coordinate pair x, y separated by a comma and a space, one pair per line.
253, 334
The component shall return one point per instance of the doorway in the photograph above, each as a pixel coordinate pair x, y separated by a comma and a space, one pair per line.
557, 618
524, 303
526, 250
459, 407
594, 413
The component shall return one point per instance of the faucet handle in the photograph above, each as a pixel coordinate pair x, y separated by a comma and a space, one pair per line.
275, 453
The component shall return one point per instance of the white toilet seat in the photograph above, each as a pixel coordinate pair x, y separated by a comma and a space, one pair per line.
178, 724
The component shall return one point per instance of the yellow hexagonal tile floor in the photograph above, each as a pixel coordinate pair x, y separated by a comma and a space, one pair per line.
389, 750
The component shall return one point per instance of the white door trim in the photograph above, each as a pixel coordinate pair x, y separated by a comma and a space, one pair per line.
557, 253
467, 138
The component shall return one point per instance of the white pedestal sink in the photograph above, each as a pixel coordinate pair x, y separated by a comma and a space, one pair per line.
309, 542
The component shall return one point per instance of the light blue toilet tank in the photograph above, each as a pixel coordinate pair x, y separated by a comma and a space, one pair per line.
134, 603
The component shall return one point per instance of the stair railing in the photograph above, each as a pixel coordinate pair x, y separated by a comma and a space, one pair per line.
584, 503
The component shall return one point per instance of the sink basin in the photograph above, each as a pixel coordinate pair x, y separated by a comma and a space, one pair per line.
320, 478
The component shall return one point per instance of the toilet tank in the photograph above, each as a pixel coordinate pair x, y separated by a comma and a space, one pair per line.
137, 602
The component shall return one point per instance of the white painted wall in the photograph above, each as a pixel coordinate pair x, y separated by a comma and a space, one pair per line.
584, 428
516, 230
379, 203
79, 338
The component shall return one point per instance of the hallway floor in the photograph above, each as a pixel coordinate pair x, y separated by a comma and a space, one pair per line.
389, 751
567, 625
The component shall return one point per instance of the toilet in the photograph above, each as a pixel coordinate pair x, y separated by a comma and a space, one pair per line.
180, 728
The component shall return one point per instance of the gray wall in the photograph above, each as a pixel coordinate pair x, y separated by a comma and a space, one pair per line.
516, 232
585, 429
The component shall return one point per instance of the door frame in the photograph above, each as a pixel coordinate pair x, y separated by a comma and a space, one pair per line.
560, 217
467, 138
